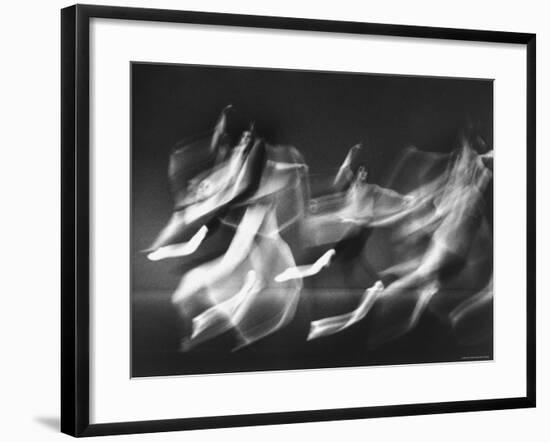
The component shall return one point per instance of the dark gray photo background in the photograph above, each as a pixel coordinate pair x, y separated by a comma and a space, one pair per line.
322, 114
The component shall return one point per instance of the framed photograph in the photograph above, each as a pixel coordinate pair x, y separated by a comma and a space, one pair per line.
306, 220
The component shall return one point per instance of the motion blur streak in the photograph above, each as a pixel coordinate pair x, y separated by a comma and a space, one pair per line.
308, 270
181, 249
470, 305
204, 276
335, 324
434, 210
221, 316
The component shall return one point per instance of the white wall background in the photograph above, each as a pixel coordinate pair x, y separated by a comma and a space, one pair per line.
29, 201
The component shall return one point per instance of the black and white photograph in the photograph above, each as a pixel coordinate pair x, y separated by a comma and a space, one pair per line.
275, 221
291, 219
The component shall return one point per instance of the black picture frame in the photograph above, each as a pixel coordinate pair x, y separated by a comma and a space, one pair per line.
75, 212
